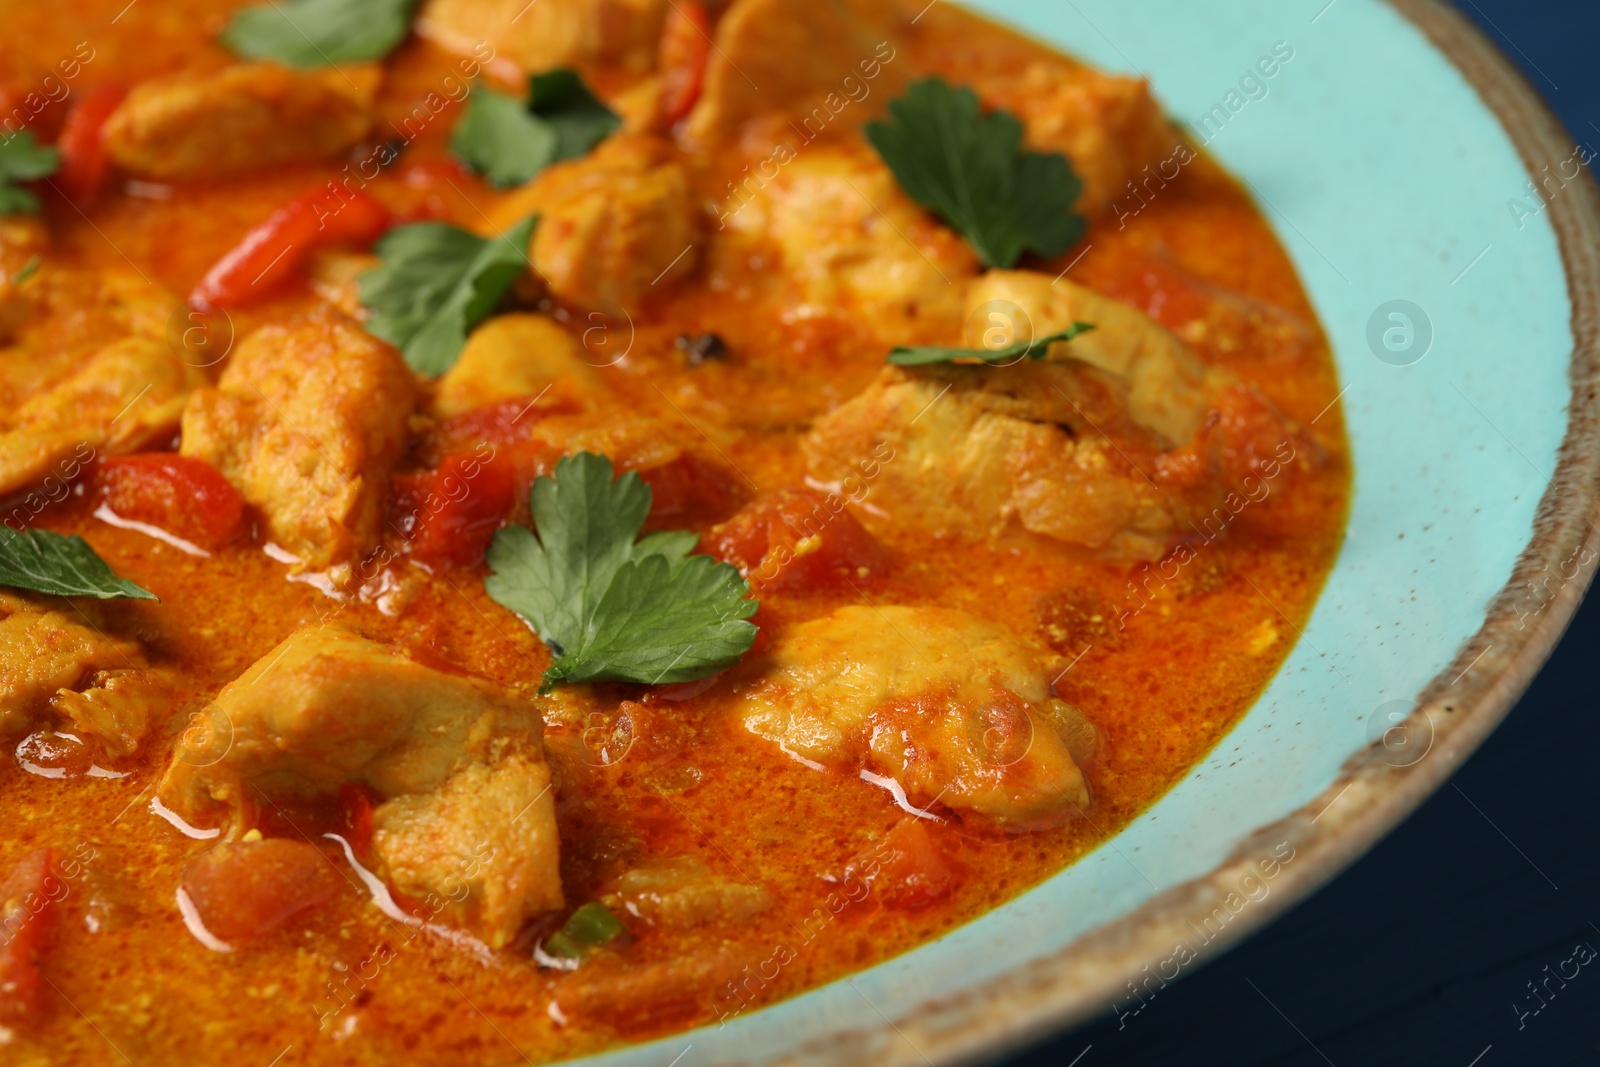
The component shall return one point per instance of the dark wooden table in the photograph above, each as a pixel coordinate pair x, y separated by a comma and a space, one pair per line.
1448, 943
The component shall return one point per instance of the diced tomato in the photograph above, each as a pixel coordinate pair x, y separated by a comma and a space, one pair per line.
27, 906
798, 539
688, 490
274, 252
186, 497
356, 805
685, 52
250, 888
907, 870
450, 514
84, 161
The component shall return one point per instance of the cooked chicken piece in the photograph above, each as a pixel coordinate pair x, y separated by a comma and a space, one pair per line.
510, 357
486, 840
614, 226
61, 662
683, 895
467, 812
1071, 448
1110, 127
307, 423
1166, 383
245, 117
955, 709
550, 33
850, 239
126, 396
795, 57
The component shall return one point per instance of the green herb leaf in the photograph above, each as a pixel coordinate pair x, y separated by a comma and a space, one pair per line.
436, 283
589, 927
970, 169
319, 33
22, 160
48, 562
610, 606
509, 141
1037, 348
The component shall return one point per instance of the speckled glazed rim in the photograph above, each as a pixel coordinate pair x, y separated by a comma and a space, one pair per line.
1462, 705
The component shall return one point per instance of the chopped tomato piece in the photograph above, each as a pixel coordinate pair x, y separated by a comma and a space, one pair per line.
906, 869
686, 490
248, 888
273, 253
84, 161
685, 51
186, 497
450, 514
27, 905
798, 539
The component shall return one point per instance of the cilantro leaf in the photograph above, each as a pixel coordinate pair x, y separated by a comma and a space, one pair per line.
319, 33
21, 159
610, 606
1037, 348
510, 141
436, 283
970, 169
48, 562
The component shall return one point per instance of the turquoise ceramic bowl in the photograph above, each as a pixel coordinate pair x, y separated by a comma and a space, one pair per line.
1393, 153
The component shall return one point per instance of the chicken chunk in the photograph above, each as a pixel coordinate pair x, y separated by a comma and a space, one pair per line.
551, 33
684, 895
467, 813
127, 395
614, 226
1110, 127
955, 709
1074, 448
850, 240
789, 57
61, 663
510, 357
307, 423
197, 126
1166, 383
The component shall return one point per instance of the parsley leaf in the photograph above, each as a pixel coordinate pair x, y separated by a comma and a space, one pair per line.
971, 170
610, 606
48, 562
510, 141
1037, 348
21, 159
319, 33
436, 283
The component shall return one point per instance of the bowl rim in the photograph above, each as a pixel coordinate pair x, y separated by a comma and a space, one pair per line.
1460, 706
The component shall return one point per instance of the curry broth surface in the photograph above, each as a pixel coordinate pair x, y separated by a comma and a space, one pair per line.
1164, 672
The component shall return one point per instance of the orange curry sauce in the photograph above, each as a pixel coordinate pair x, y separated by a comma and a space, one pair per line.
1163, 659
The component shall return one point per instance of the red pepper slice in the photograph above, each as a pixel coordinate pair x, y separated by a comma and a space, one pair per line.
84, 160
685, 51
274, 252
186, 497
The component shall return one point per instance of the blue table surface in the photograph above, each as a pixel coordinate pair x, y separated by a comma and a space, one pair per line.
1446, 944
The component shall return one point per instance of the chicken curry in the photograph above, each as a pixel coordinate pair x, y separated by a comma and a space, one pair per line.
533, 526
